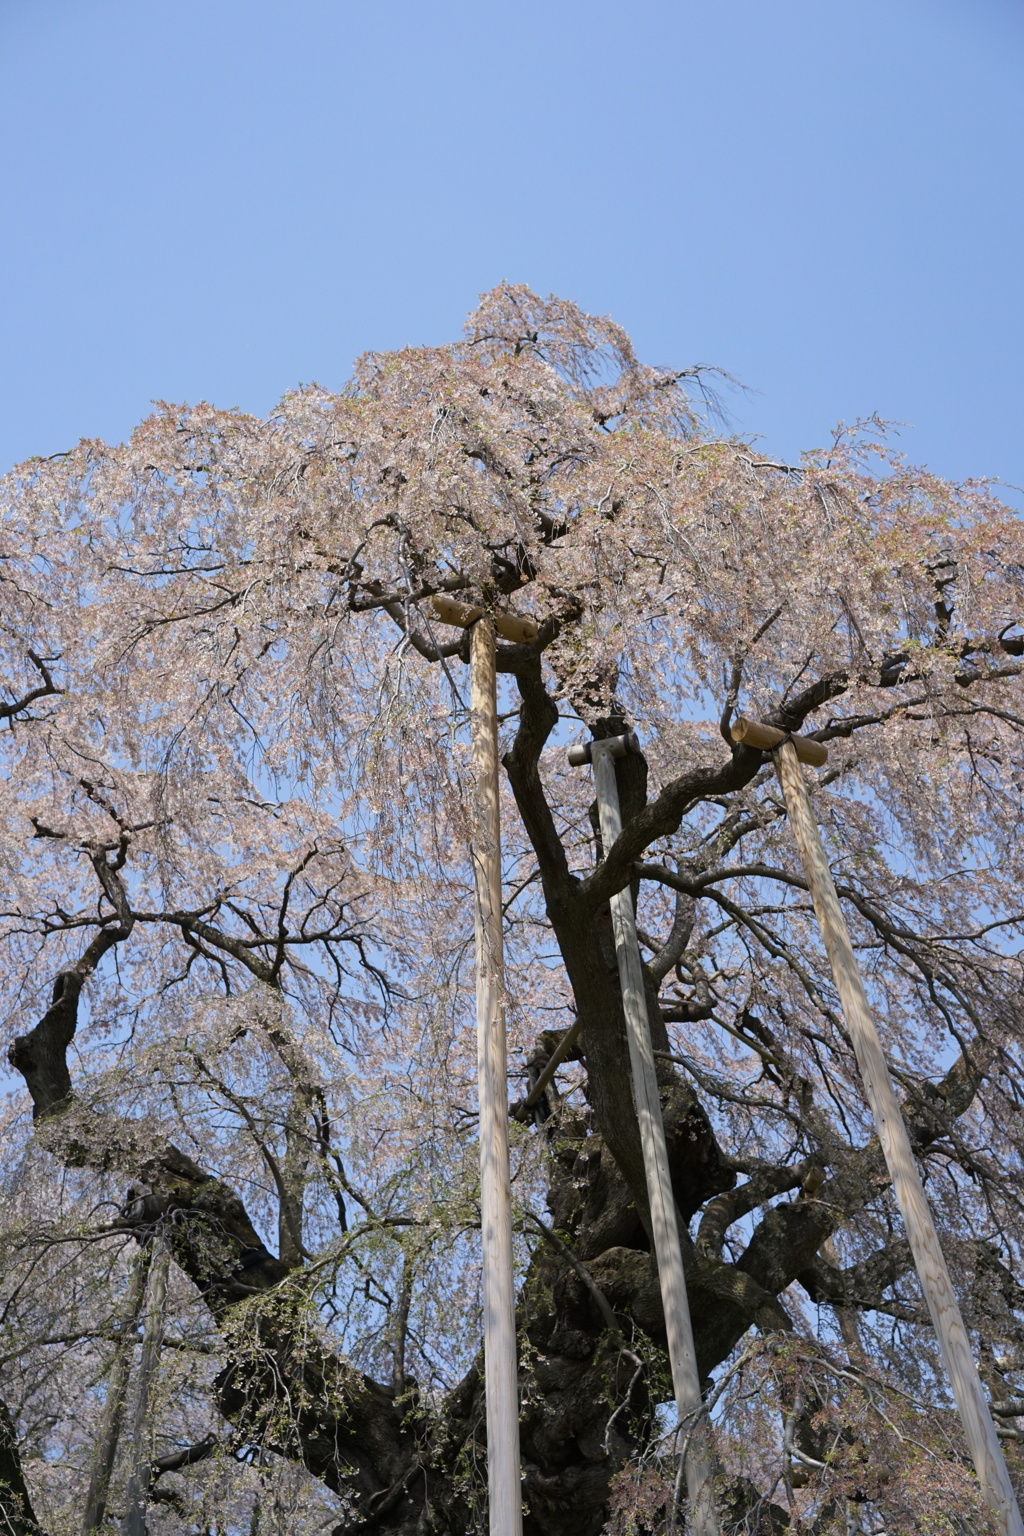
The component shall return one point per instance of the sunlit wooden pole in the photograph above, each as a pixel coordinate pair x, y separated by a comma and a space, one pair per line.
979, 1429
500, 1372
698, 1460
501, 1380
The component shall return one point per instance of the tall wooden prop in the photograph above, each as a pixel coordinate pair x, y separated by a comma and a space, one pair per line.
938, 1291
500, 1373
137, 1497
698, 1460
113, 1407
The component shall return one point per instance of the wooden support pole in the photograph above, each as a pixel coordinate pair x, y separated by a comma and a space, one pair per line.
892, 1133
113, 1407
501, 1377
140, 1476
698, 1464
500, 1373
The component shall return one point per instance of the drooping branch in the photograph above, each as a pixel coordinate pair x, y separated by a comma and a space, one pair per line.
349, 1429
46, 689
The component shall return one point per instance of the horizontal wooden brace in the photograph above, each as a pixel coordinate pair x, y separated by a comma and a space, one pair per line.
617, 746
465, 615
765, 738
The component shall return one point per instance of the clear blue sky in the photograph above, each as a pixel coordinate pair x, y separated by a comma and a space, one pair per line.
222, 198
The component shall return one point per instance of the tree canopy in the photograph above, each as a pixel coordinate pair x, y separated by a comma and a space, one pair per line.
236, 932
